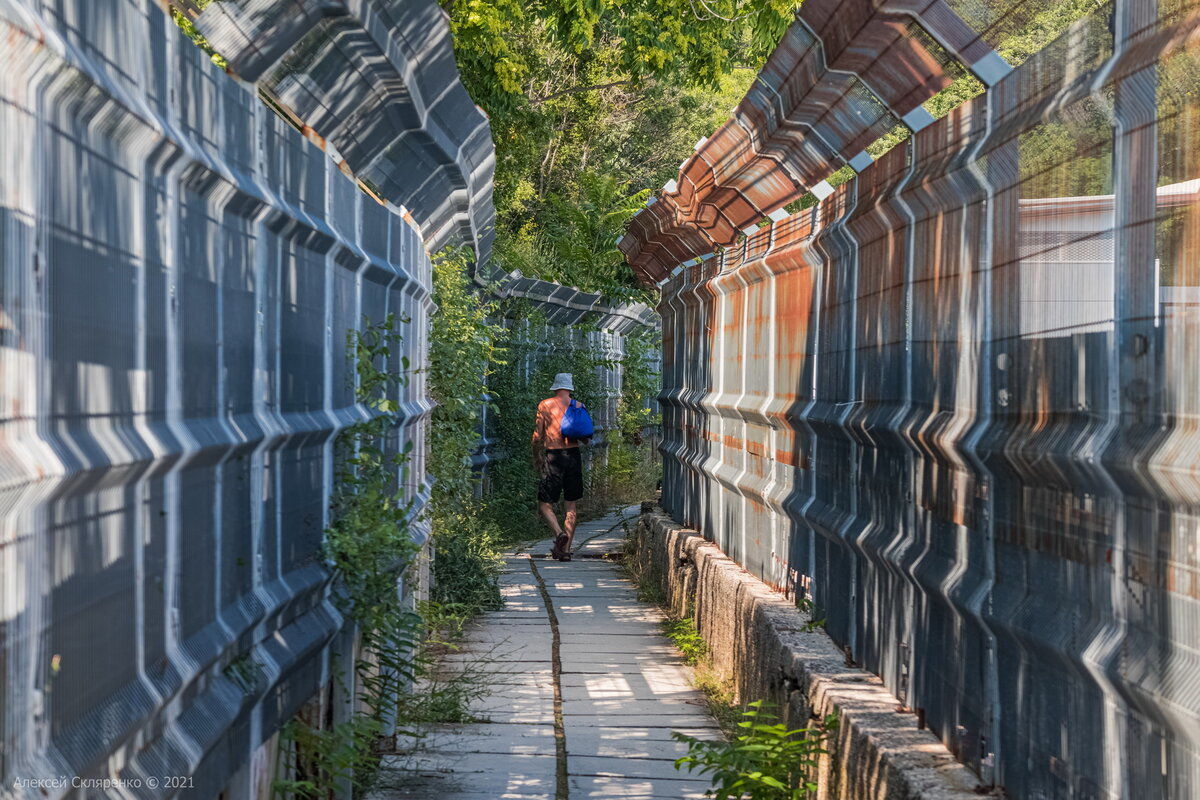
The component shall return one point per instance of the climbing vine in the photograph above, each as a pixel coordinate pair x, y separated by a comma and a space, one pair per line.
369, 545
639, 384
370, 542
465, 348
629, 469
184, 21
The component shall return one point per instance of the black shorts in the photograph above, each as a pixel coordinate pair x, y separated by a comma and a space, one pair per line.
563, 475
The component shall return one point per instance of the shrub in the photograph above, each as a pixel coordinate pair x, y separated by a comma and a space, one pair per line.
464, 348
765, 761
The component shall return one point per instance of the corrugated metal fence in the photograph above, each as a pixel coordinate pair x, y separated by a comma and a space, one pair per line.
591, 322
181, 266
958, 401
180, 270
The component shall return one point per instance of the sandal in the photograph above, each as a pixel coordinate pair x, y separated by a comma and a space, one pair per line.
556, 552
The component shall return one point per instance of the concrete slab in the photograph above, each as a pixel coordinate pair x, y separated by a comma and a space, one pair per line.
579, 625
617, 611
519, 618
651, 768
660, 748
508, 777
488, 738
635, 742
647, 710
465, 763
656, 720
649, 680
493, 634
615, 645
520, 675
502, 647
610, 788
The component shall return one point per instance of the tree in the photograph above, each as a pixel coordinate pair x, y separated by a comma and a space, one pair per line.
595, 104
503, 46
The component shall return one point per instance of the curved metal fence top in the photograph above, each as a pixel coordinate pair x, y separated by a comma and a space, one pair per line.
375, 82
846, 73
566, 305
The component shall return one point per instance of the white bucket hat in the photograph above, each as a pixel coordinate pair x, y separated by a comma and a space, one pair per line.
563, 380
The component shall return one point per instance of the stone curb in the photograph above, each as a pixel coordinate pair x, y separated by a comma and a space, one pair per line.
757, 640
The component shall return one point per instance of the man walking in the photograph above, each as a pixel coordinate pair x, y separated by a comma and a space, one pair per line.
559, 464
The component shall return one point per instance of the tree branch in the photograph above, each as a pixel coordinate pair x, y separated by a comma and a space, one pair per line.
578, 90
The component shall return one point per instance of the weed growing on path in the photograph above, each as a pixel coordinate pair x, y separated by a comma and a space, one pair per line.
444, 692
686, 637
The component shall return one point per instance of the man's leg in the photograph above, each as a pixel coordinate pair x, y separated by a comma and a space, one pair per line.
549, 490
569, 523
547, 510
572, 492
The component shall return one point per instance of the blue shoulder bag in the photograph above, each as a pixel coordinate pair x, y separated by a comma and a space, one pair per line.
577, 422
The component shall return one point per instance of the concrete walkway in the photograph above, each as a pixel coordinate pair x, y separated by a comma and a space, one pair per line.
585, 697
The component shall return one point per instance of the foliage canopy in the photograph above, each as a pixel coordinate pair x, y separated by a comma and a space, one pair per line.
593, 105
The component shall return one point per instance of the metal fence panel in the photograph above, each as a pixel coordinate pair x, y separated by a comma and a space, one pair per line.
180, 270
588, 320
951, 403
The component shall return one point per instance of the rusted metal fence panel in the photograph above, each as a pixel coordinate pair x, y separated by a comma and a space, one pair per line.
846, 73
181, 267
956, 403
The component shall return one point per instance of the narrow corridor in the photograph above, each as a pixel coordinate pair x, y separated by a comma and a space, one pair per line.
586, 695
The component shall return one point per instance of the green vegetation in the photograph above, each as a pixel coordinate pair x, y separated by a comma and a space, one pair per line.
465, 347
686, 637
370, 547
443, 694
324, 759
764, 761
184, 21
369, 543
815, 619
400, 682
502, 45
592, 106
628, 469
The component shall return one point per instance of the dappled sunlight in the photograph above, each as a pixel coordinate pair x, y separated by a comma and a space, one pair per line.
613, 685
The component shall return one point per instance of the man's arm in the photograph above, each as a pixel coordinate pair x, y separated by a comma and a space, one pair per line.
539, 438
539, 427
